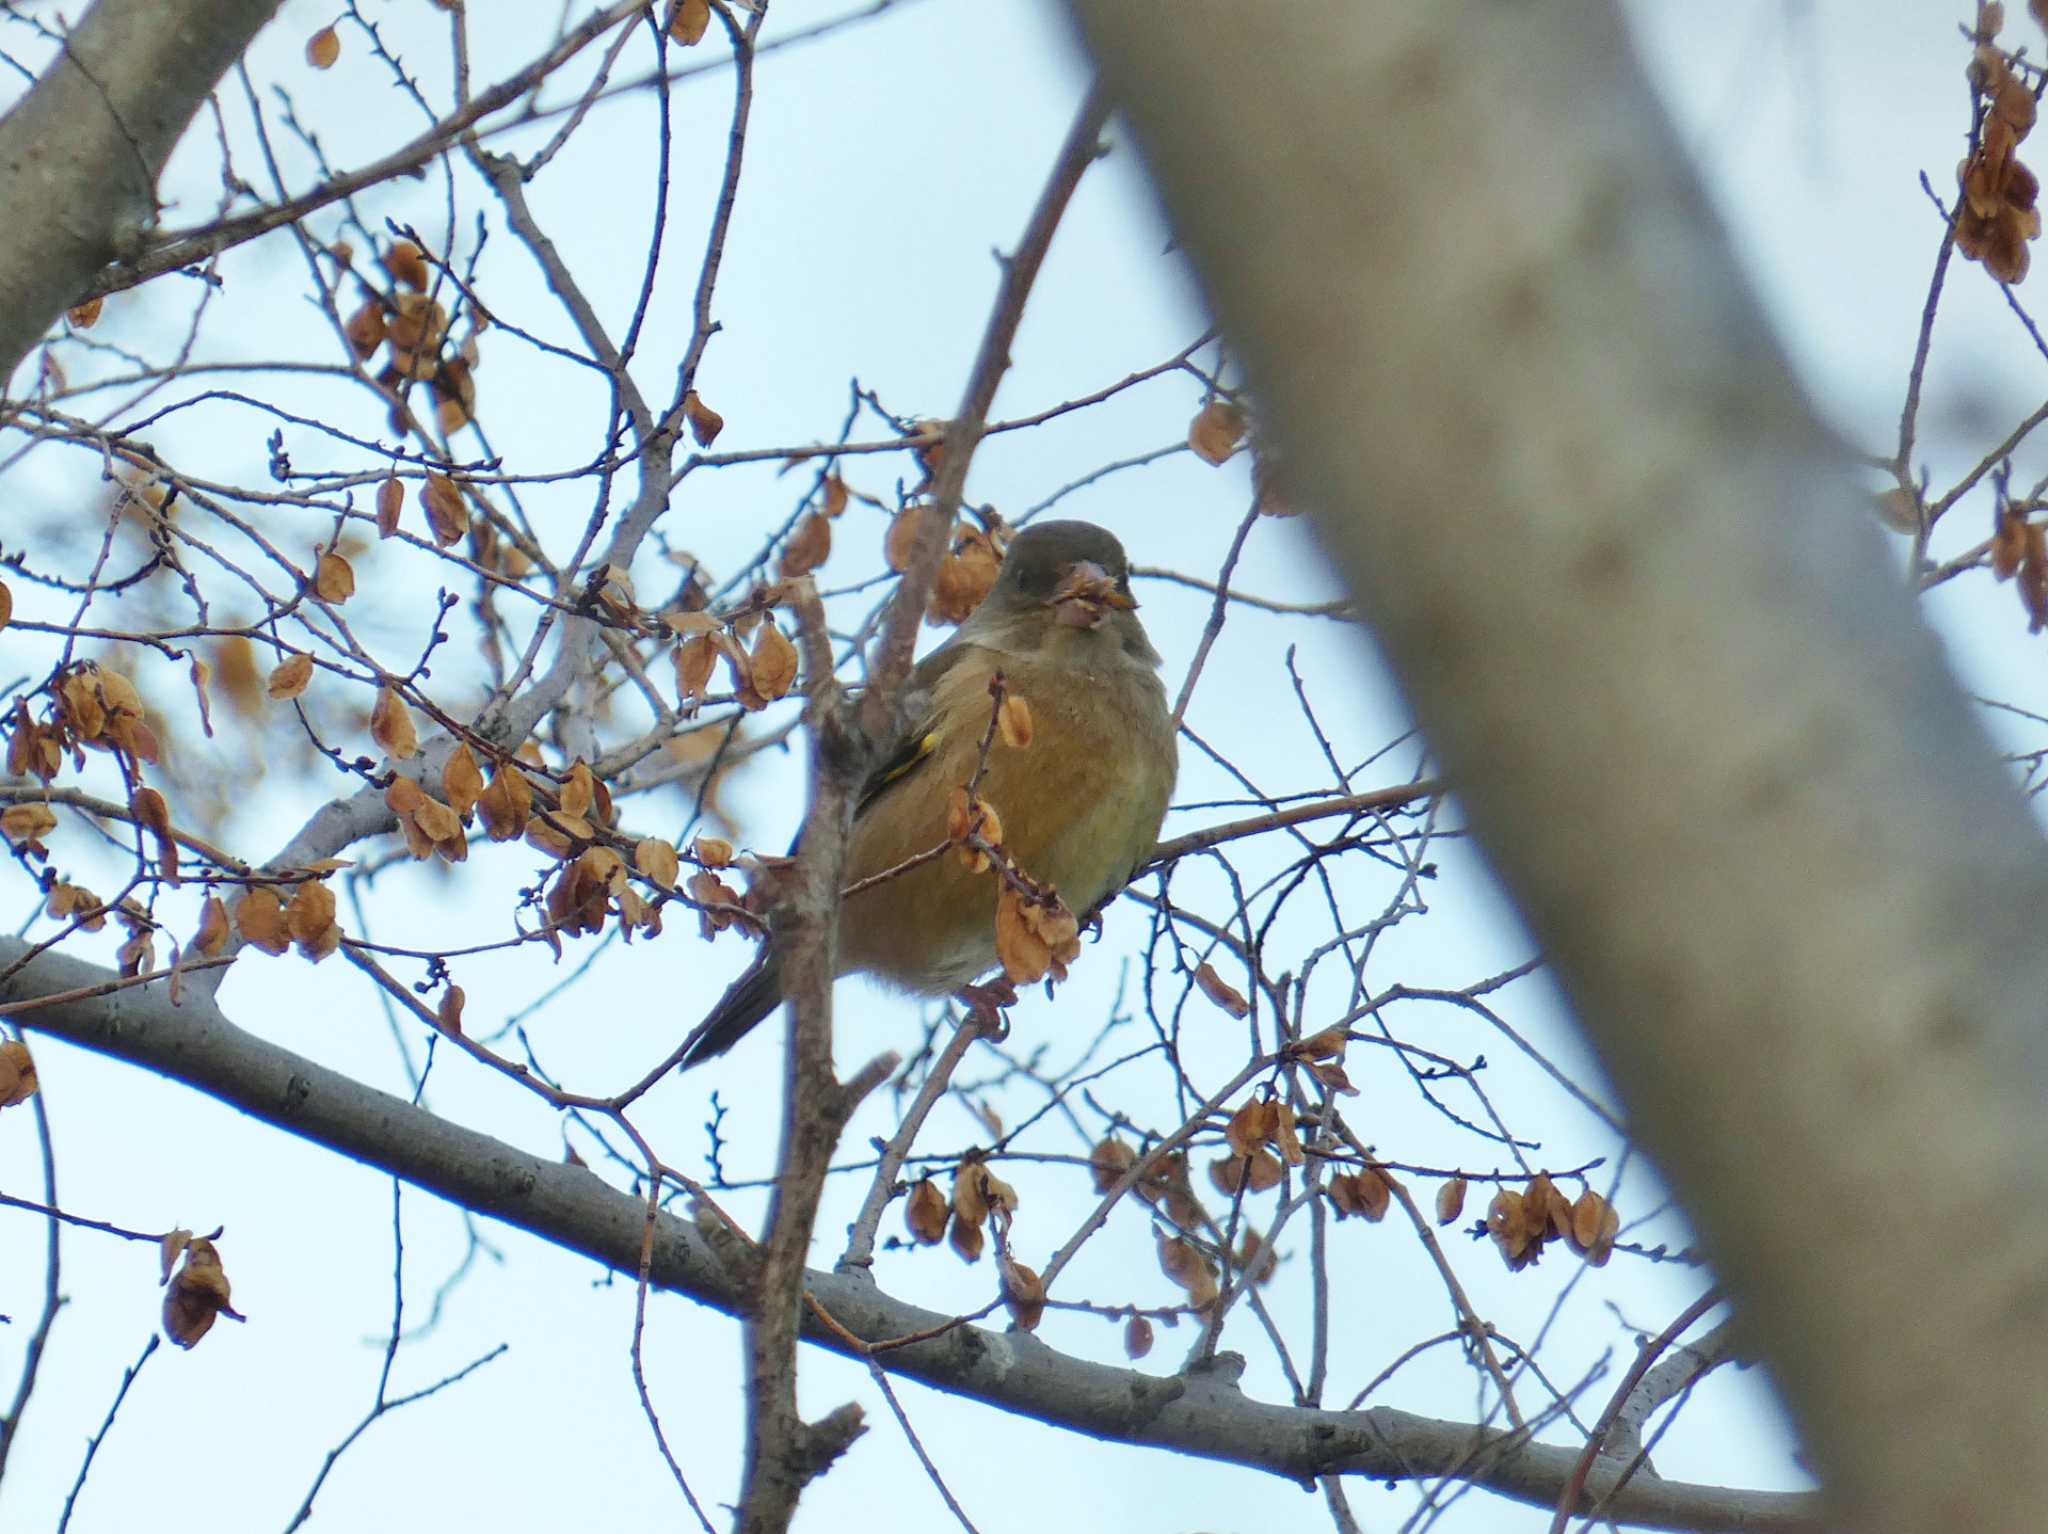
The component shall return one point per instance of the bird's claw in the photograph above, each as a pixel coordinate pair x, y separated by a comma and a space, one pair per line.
986, 1003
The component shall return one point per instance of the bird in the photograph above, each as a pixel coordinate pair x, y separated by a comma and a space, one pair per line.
1080, 805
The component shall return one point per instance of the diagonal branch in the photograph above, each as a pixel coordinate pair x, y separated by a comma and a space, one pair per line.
81, 153
890, 661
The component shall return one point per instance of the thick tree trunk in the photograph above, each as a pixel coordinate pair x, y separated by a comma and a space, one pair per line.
1693, 716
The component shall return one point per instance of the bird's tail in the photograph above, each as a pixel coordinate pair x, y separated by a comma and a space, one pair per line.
747, 1000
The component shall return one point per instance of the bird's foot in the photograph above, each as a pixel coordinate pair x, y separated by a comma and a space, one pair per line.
986, 1003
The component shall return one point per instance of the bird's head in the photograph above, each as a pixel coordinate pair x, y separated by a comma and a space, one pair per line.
1063, 583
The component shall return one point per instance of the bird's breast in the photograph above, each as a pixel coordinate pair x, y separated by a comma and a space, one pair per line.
1079, 805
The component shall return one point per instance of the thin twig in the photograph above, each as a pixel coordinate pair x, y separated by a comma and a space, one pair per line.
92, 1444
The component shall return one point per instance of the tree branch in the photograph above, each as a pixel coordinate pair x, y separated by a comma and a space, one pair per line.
571, 1207
81, 152
1640, 612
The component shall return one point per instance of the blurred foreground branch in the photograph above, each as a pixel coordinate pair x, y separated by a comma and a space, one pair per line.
1643, 622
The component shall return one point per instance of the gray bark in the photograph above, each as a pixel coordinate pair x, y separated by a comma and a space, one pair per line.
1203, 1415
80, 154
1695, 720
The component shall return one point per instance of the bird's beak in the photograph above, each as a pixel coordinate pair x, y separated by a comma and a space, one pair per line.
1085, 595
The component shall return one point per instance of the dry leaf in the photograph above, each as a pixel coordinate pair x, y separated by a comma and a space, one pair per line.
966, 575
462, 781
1450, 1201
137, 956
402, 795
199, 1292
1216, 430
1023, 1294
447, 517
696, 659
211, 940
1327, 1045
970, 1192
688, 21
323, 48
924, 1213
1517, 1230
657, 860
2008, 545
1109, 1160
1364, 1193
86, 315
1897, 509
711, 852
407, 265
25, 825
17, 1074
1255, 1259
1246, 1131
772, 667
366, 329
901, 540
1013, 721
1221, 991
391, 726
1282, 1136
68, 900
1254, 1173
557, 834
972, 818
966, 1238
259, 917
1166, 1187
506, 803
449, 1013
1137, 1337
437, 821
1180, 1261
705, 423
579, 790
154, 816
1595, 1224
172, 1243
1545, 1203
390, 502
334, 579
310, 920
202, 674
1035, 938
809, 548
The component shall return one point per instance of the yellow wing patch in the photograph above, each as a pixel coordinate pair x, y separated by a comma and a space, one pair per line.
915, 749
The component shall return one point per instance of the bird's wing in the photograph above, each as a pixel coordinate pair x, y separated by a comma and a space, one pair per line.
758, 992
921, 738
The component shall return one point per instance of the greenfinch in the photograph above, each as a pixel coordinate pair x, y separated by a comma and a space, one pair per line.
1079, 805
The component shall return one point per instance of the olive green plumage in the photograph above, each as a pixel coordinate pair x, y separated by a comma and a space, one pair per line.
1080, 805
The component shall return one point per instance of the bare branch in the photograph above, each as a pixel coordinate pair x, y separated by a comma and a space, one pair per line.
570, 1206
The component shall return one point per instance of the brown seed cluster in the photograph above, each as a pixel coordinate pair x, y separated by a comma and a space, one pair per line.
1997, 218
198, 1291
412, 325
1521, 1224
761, 674
967, 573
1251, 1166
2019, 547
